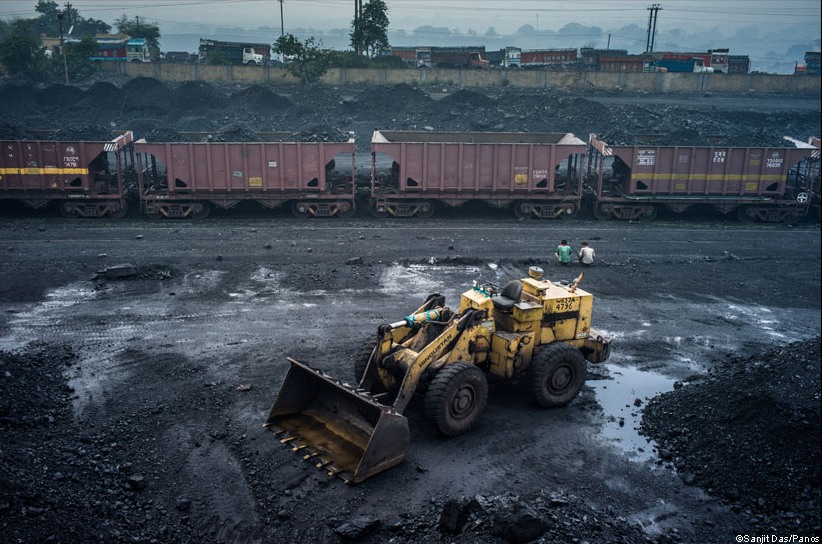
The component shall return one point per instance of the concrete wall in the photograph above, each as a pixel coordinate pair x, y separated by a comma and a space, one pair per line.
664, 83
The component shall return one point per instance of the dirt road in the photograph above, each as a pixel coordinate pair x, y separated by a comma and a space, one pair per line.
133, 407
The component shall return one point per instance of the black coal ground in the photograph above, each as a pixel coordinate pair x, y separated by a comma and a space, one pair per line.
69, 477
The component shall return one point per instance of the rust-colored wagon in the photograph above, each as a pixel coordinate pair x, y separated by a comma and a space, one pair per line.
537, 174
85, 178
768, 184
186, 179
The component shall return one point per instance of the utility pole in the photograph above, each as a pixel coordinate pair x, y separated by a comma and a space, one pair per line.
282, 24
356, 27
63, 46
649, 40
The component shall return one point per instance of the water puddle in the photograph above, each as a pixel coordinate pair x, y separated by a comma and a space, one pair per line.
618, 398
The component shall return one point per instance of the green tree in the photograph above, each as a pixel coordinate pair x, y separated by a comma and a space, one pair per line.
308, 61
73, 23
370, 32
141, 29
21, 52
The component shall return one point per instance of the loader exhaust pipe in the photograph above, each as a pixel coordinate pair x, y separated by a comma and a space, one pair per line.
339, 429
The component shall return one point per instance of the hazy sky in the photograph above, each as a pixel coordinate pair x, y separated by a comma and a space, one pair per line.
505, 16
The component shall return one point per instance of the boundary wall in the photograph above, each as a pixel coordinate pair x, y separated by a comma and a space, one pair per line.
656, 83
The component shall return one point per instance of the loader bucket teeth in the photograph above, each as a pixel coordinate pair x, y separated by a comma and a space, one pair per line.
353, 435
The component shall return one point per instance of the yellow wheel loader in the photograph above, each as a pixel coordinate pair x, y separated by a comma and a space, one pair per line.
531, 330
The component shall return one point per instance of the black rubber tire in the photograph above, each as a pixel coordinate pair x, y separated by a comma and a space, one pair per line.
456, 398
556, 375
362, 357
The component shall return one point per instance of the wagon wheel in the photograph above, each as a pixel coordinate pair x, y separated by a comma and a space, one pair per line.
520, 212
297, 210
651, 214
121, 212
372, 207
743, 215
556, 374
204, 211
456, 398
426, 209
569, 212
67, 211
349, 212
601, 214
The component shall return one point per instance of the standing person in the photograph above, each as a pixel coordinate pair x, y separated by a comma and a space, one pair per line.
563, 253
586, 254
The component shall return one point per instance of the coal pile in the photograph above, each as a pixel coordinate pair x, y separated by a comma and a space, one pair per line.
87, 133
236, 133
59, 96
398, 98
145, 104
103, 95
163, 135
256, 98
17, 98
750, 434
147, 96
319, 134
198, 95
12, 132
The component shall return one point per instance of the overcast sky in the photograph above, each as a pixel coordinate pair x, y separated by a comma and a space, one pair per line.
505, 16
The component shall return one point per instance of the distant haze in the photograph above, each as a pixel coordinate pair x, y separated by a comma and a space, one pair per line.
775, 34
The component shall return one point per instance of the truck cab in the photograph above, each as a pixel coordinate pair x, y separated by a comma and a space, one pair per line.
250, 56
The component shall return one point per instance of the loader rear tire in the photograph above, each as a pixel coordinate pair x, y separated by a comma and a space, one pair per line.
556, 375
456, 398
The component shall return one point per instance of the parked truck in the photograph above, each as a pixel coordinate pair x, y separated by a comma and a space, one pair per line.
252, 54
694, 65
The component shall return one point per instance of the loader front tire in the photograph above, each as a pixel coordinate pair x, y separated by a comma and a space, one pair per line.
556, 375
362, 358
456, 398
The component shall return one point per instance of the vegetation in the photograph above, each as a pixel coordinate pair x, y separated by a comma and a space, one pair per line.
22, 51
307, 60
369, 33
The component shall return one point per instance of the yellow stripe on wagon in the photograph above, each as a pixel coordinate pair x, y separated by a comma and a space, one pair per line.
42, 171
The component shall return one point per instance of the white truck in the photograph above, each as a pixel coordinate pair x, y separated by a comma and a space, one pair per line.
251, 54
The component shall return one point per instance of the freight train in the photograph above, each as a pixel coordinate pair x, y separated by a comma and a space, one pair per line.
412, 174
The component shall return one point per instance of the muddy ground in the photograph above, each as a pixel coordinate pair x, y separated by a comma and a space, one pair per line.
131, 409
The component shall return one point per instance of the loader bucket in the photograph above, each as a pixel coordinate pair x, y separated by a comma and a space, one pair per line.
338, 429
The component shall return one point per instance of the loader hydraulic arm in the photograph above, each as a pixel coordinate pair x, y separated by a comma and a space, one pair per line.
432, 355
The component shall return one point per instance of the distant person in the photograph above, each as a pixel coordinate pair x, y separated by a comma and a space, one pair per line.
563, 253
586, 254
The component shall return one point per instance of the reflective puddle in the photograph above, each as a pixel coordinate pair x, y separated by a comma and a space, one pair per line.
623, 412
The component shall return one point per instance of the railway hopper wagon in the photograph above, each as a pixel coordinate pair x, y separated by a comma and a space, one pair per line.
536, 174
187, 179
85, 178
768, 184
